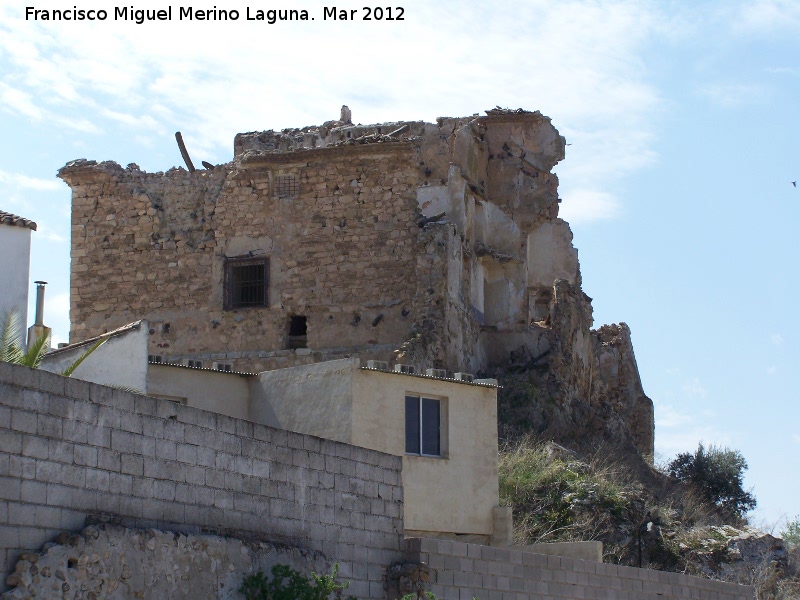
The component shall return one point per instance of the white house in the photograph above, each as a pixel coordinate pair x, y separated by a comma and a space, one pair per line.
15, 257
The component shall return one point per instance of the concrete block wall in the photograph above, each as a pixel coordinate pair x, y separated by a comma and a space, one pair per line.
462, 571
70, 448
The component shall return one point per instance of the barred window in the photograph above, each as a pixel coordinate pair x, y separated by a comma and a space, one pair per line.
285, 186
246, 282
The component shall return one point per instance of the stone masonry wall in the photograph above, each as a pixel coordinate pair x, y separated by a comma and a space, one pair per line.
344, 251
69, 449
462, 571
106, 560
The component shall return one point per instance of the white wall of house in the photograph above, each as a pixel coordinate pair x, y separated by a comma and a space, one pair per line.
15, 242
121, 361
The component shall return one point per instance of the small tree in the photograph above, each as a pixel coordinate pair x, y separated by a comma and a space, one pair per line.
717, 474
791, 535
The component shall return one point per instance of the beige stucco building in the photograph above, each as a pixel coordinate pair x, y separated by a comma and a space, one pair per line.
445, 429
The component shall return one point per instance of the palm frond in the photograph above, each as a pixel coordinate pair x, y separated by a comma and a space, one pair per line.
35, 353
71, 369
10, 350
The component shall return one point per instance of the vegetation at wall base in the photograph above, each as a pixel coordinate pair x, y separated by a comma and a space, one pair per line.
288, 584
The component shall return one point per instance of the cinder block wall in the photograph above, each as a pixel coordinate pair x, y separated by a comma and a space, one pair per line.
463, 571
70, 448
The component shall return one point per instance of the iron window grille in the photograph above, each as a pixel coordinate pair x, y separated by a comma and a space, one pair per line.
423, 426
246, 282
286, 186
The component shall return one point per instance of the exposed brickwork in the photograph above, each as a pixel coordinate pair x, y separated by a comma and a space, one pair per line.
70, 448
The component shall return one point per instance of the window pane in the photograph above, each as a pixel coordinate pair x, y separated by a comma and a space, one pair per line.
430, 427
412, 425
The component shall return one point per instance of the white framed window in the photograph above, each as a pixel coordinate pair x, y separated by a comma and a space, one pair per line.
196, 364
424, 426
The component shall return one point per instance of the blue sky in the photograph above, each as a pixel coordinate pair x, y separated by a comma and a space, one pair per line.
684, 131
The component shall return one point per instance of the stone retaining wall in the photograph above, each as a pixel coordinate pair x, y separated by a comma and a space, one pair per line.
462, 571
70, 448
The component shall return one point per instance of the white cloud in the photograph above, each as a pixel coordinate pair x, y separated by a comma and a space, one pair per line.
771, 370
588, 205
44, 230
113, 77
685, 439
694, 390
668, 416
768, 16
735, 95
796, 438
18, 180
776, 339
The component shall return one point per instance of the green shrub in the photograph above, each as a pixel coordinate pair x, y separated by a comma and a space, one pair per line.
717, 474
289, 584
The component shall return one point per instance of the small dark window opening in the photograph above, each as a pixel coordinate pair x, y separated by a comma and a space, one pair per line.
246, 281
298, 332
423, 426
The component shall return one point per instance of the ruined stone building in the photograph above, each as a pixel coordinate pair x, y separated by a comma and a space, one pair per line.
437, 245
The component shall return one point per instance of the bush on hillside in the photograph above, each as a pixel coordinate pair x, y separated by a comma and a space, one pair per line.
717, 474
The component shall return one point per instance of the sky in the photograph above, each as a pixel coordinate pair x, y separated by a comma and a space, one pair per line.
682, 120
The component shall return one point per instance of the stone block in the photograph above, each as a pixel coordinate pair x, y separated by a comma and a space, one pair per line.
75, 431
166, 449
15, 465
11, 441
97, 480
26, 377
60, 407
143, 405
119, 483
32, 538
109, 416
99, 436
130, 422
85, 455
77, 390
51, 383
23, 421
60, 451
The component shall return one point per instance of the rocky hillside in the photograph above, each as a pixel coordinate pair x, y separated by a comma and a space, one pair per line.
643, 517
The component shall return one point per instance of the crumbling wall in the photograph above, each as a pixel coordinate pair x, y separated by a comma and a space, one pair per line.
107, 560
434, 244
139, 241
